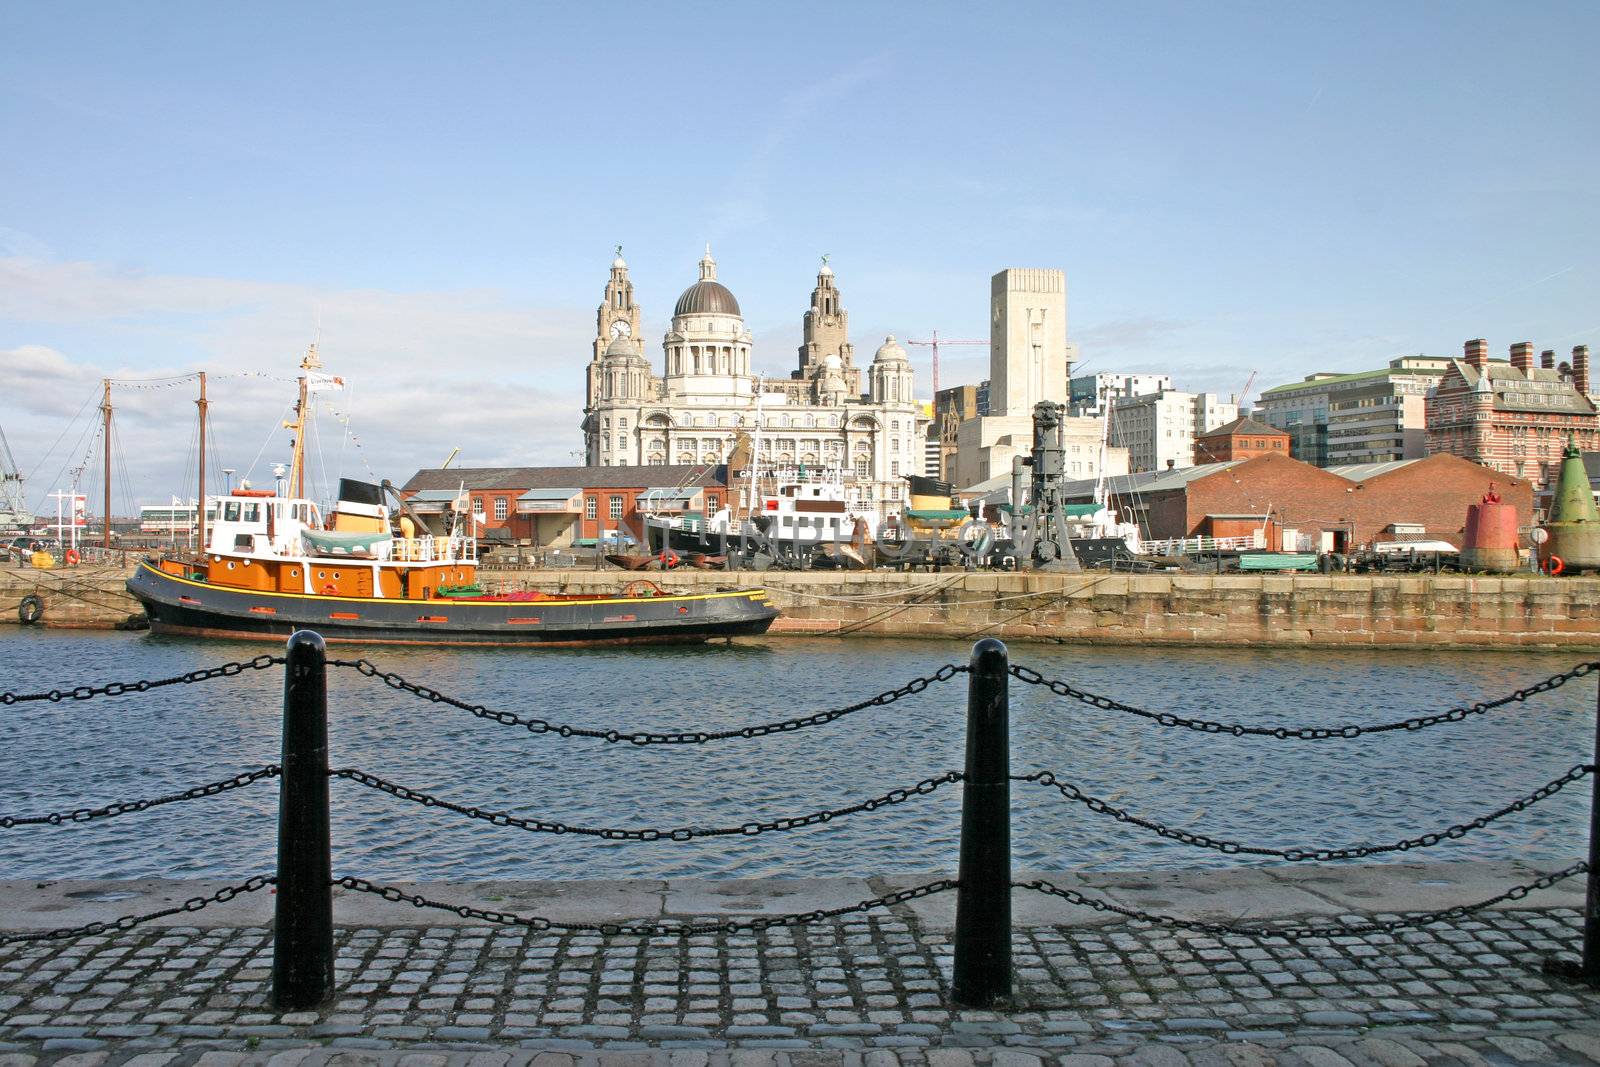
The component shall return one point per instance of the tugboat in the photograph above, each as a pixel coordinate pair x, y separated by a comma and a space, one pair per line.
271, 566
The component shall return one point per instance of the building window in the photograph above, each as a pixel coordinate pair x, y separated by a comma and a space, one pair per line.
894, 469
616, 507
861, 466
589, 506
622, 424
500, 507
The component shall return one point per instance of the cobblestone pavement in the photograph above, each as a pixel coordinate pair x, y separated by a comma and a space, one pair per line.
869, 991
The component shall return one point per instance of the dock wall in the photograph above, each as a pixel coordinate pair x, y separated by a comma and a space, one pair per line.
1310, 611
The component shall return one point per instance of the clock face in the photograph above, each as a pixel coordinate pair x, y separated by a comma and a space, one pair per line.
620, 329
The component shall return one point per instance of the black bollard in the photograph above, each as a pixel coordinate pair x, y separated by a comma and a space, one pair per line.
983, 902
1591, 910
302, 942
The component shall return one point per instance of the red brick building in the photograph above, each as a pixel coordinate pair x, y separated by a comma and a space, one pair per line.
1511, 415
555, 506
1243, 438
1333, 508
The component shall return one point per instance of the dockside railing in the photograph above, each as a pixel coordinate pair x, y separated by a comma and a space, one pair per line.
303, 943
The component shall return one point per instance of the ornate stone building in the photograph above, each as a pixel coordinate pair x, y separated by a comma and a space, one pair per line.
708, 397
1513, 416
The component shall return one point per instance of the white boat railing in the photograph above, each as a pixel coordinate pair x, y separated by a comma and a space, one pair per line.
1191, 546
430, 549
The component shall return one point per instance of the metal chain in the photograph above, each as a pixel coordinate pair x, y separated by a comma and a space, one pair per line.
1297, 933
128, 922
691, 737
56, 818
645, 928
681, 833
116, 689
1300, 855
1301, 733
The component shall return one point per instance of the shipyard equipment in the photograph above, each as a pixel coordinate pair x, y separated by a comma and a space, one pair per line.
1042, 530
14, 514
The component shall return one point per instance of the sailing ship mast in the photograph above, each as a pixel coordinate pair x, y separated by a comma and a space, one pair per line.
105, 434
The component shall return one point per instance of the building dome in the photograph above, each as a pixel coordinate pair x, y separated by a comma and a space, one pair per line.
707, 297
622, 347
832, 362
890, 350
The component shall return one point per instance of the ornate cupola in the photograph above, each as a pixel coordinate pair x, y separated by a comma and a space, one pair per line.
891, 374
708, 347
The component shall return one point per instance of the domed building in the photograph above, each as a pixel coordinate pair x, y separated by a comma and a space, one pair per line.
707, 395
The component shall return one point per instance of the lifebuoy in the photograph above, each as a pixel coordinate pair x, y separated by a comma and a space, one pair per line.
72, 557
30, 610
669, 558
1554, 566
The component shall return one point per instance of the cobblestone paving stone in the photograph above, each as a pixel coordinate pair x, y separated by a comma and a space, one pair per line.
864, 992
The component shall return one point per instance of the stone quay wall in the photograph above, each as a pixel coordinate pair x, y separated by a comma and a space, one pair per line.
1305, 611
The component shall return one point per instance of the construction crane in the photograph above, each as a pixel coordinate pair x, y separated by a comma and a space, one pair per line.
1248, 382
451, 458
13, 502
934, 342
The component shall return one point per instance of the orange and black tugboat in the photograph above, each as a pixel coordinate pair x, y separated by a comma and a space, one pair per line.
271, 565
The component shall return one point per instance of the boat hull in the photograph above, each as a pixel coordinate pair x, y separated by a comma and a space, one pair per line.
183, 606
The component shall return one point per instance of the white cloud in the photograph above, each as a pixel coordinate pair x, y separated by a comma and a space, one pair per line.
428, 371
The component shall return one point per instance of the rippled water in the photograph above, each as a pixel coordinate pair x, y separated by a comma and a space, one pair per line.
1262, 791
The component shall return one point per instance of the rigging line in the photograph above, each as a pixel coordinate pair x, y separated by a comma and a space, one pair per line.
70, 424
329, 493
121, 456
148, 381
268, 442
94, 427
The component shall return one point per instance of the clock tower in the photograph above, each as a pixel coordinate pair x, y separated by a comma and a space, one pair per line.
617, 317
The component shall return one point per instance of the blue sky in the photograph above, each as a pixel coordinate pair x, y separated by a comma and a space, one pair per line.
1277, 188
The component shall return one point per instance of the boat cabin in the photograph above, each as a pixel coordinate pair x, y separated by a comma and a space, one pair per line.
264, 542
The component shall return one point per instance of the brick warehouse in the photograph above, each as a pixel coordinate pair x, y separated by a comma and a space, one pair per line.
559, 506
1338, 507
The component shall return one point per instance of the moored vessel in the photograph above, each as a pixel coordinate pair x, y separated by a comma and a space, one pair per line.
271, 564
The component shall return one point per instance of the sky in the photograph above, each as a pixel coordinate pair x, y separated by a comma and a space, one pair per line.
433, 193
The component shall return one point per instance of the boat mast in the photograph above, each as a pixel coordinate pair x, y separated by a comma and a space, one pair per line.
203, 406
105, 433
1100, 464
297, 467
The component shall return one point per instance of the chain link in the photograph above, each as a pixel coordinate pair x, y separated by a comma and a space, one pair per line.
1300, 733
1301, 855
691, 737
211, 789
1298, 933
681, 833
646, 928
116, 689
128, 922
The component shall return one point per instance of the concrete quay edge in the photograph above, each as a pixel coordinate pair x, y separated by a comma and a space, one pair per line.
1236, 894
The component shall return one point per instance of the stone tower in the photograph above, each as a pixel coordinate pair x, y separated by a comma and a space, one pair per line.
826, 331
1030, 360
617, 317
